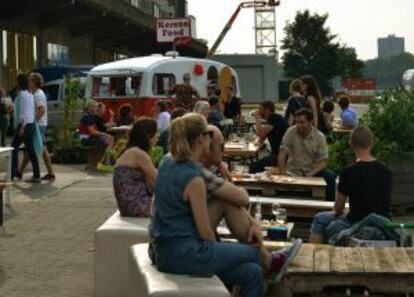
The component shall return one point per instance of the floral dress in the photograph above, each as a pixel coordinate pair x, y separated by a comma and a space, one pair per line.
132, 191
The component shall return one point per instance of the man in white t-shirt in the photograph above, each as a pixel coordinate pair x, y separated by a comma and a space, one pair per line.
163, 116
35, 84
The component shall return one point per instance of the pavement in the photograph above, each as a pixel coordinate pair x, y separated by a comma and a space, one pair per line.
47, 245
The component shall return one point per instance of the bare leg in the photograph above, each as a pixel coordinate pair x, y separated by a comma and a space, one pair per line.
239, 222
24, 163
315, 238
48, 161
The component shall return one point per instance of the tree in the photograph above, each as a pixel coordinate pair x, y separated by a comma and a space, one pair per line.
311, 48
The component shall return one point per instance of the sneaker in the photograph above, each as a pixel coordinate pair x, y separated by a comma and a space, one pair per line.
34, 180
49, 177
18, 175
282, 259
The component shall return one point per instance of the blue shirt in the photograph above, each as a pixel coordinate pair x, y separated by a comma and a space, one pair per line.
349, 117
173, 218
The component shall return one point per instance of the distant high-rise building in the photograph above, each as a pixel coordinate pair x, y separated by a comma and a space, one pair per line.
390, 46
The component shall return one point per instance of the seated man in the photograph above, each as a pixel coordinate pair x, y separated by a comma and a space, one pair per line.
89, 134
367, 184
216, 115
349, 117
225, 200
304, 147
274, 129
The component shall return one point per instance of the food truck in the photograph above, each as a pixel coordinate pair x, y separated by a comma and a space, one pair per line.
142, 81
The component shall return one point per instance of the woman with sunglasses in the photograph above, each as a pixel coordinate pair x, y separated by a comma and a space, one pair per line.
183, 239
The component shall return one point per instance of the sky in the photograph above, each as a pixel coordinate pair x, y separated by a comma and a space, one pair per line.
358, 23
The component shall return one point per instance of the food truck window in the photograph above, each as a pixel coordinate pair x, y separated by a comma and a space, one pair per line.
118, 86
162, 83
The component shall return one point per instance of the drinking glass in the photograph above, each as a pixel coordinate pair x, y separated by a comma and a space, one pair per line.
281, 216
258, 213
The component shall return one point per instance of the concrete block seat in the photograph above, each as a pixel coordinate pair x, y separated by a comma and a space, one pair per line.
147, 281
112, 241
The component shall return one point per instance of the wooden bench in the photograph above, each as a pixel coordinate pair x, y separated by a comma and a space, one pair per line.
112, 241
317, 268
147, 281
298, 208
95, 154
273, 185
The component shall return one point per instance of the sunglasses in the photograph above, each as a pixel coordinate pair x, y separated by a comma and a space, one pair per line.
209, 133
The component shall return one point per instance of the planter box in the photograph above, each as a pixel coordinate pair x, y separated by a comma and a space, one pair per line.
402, 198
77, 155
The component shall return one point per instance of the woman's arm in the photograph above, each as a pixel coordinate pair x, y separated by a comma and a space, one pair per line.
144, 162
195, 194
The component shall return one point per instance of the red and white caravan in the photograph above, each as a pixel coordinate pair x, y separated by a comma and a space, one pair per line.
144, 80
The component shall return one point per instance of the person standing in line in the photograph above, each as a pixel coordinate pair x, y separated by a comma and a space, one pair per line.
25, 128
35, 85
312, 94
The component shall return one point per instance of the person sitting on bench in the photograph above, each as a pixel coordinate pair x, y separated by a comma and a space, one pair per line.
184, 242
367, 184
273, 129
304, 147
89, 134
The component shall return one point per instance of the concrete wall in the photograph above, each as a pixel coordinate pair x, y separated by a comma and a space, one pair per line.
258, 76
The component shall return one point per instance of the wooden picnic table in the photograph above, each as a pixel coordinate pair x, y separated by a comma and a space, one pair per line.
240, 150
298, 208
379, 270
224, 232
270, 186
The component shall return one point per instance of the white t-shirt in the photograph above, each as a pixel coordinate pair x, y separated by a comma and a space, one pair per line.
163, 121
40, 100
27, 109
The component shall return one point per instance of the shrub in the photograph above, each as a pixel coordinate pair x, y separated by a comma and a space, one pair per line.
391, 119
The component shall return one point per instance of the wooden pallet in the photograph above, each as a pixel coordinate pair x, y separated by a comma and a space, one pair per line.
379, 270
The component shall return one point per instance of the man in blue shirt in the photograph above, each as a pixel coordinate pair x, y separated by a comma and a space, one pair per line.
349, 117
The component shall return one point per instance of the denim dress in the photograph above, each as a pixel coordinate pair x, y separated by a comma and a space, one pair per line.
178, 247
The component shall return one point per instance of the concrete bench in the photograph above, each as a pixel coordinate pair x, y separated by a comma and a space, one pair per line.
112, 241
147, 281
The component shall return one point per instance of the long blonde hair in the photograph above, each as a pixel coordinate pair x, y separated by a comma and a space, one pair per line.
184, 132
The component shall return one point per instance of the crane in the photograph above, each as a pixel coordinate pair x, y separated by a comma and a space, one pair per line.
227, 27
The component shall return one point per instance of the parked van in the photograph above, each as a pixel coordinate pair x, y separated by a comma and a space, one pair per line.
144, 80
55, 94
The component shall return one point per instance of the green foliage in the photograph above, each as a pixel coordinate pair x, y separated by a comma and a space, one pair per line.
388, 72
311, 49
391, 120
72, 103
340, 154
